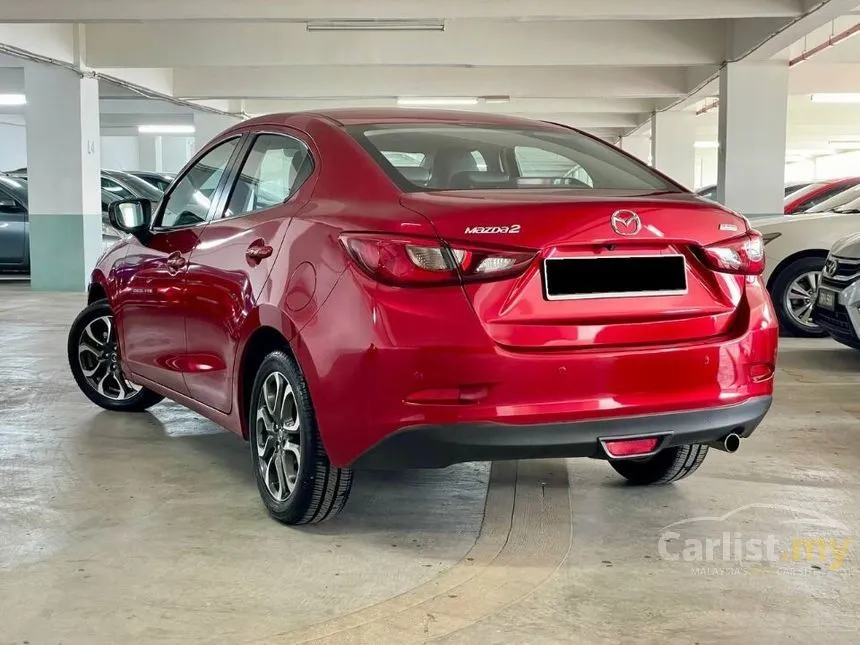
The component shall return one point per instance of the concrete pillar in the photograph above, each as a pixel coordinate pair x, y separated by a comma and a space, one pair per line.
208, 125
149, 150
63, 161
673, 152
637, 145
174, 153
753, 113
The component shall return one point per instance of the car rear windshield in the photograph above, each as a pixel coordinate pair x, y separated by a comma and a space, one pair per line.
427, 157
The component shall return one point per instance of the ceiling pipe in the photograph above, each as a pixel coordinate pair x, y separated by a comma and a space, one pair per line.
830, 42
145, 92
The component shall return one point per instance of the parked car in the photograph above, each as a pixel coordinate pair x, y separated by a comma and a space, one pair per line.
796, 247
710, 192
160, 180
15, 224
119, 184
811, 196
340, 311
127, 186
837, 304
800, 197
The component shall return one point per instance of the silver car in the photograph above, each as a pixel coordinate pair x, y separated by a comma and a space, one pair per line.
837, 303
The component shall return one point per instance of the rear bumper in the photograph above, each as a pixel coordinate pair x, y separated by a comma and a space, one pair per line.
437, 446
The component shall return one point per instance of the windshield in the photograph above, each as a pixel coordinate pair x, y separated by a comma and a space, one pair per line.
838, 202
426, 157
17, 187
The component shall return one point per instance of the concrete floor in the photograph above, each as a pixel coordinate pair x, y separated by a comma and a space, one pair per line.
147, 529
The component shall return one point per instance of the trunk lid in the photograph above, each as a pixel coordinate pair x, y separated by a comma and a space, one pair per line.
521, 314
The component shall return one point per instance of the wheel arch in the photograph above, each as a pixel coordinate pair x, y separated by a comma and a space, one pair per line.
262, 341
806, 253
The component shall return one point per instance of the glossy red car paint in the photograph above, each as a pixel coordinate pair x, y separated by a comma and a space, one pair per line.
816, 193
379, 358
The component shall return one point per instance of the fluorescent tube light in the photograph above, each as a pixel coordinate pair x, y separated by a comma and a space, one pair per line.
165, 129
847, 97
375, 25
707, 145
437, 100
13, 99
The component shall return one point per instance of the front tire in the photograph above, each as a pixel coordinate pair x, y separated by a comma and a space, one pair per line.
667, 466
93, 353
794, 290
297, 482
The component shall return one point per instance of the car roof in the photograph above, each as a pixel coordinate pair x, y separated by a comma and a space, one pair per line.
367, 116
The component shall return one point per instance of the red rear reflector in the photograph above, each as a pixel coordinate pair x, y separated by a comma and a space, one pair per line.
631, 447
760, 372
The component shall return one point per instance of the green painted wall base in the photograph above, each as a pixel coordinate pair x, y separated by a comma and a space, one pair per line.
63, 251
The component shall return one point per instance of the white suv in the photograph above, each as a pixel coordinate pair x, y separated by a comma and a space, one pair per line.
837, 304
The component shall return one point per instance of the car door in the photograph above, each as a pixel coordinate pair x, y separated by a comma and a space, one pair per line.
151, 305
14, 229
235, 254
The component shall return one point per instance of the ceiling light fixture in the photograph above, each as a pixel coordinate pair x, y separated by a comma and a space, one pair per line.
437, 100
707, 145
165, 129
13, 99
375, 25
847, 97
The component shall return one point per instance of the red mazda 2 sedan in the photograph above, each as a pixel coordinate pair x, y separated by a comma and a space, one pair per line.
400, 289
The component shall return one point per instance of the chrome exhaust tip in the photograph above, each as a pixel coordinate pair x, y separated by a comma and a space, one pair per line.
730, 443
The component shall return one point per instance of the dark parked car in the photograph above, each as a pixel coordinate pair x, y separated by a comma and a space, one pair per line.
160, 180
15, 223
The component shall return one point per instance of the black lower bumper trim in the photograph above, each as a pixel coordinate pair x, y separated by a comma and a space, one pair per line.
438, 446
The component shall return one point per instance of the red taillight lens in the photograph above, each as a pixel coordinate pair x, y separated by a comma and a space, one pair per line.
424, 261
744, 255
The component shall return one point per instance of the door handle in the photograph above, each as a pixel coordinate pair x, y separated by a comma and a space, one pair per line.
258, 250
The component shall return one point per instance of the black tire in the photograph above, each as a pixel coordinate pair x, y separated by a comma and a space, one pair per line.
136, 402
665, 467
779, 290
320, 489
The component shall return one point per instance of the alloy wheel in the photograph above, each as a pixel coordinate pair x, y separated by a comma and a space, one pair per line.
278, 436
800, 297
98, 356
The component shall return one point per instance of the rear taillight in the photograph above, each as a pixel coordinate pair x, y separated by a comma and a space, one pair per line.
744, 255
423, 261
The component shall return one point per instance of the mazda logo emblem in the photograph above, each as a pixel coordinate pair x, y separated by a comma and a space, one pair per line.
625, 222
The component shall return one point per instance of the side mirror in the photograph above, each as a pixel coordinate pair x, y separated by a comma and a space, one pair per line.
131, 215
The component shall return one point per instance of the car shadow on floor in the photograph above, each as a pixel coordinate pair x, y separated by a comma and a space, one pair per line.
437, 501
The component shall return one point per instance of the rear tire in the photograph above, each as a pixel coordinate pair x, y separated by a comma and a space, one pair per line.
786, 290
297, 482
93, 353
667, 466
